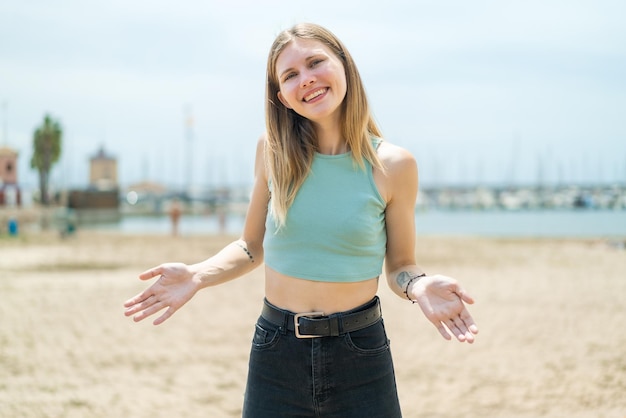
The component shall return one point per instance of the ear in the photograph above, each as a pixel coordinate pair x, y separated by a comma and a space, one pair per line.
282, 100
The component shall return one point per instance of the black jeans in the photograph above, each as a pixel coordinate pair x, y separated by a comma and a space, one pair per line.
347, 376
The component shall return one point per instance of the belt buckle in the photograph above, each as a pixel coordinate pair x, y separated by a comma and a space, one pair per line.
296, 323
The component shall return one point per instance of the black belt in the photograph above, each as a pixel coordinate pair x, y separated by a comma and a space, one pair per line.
316, 324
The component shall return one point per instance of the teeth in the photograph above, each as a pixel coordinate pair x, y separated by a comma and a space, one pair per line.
314, 95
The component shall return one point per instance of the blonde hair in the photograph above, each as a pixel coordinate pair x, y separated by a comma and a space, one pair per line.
291, 141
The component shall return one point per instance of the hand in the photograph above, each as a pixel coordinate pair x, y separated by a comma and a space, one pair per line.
441, 299
172, 290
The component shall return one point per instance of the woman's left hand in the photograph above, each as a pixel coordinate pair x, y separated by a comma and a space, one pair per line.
443, 302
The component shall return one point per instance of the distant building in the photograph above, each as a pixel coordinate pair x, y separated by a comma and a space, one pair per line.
103, 171
9, 190
100, 201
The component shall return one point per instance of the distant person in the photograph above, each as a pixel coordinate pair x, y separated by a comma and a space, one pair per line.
331, 201
222, 215
12, 226
68, 222
175, 214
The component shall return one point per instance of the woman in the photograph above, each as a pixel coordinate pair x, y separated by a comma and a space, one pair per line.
331, 200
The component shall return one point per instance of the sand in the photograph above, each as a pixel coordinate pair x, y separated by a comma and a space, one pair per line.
550, 312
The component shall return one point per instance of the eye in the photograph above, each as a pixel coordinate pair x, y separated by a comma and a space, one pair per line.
289, 76
315, 62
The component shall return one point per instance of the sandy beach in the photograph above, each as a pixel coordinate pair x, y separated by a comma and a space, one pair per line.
550, 313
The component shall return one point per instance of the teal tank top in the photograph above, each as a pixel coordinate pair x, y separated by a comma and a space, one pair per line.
335, 228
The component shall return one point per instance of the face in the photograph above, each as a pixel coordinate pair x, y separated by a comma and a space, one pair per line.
312, 80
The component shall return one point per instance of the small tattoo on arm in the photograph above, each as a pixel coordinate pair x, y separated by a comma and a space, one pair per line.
246, 251
404, 280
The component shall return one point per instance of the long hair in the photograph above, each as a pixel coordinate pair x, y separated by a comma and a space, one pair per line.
291, 140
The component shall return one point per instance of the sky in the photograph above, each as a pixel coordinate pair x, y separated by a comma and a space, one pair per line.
481, 92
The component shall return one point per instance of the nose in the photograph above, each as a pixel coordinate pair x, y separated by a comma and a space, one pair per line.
307, 79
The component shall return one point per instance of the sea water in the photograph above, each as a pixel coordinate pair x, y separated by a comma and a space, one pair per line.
498, 223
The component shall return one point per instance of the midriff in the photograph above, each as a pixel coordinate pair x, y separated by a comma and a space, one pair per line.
299, 295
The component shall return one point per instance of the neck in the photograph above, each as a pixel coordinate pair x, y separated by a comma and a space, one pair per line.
330, 140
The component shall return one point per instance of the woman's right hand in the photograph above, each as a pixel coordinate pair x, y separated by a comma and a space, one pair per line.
174, 287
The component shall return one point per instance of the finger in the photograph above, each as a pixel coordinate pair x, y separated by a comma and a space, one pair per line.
443, 331
154, 308
170, 311
456, 329
153, 272
139, 298
461, 332
467, 335
464, 296
140, 305
469, 321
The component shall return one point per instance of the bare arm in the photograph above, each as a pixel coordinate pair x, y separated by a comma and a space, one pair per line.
440, 298
177, 283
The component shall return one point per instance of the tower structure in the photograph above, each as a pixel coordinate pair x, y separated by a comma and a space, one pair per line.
9, 190
103, 171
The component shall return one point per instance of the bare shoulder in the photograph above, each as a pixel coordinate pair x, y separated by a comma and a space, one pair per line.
399, 178
261, 146
260, 166
397, 160
261, 142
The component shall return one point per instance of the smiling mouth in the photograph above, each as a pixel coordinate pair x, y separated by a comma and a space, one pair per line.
315, 94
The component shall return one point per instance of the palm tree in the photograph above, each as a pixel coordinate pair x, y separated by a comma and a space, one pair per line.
46, 152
